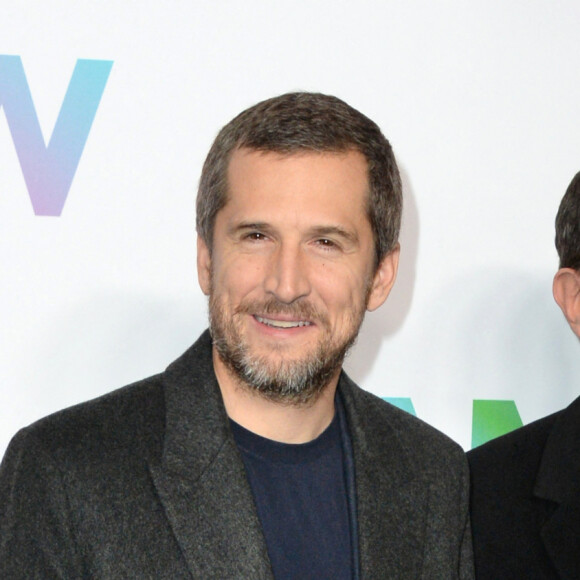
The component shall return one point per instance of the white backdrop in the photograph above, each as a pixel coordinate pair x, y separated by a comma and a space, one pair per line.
481, 101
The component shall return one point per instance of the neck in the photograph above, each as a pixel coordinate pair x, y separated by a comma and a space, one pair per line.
279, 421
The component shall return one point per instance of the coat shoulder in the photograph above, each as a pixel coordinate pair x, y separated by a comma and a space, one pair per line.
512, 459
426, 445
124, 419
506, 516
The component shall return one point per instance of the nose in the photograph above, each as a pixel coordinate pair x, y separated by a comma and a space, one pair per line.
288, 277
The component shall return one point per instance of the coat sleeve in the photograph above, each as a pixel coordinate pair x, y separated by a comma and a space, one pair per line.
36, 535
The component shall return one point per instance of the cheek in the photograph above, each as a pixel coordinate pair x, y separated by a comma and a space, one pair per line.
238, 277
342, 291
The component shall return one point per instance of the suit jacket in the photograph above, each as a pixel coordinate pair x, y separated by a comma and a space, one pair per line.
526, 501
147, 482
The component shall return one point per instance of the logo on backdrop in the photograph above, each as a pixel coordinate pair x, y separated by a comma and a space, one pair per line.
49, 170
491, 418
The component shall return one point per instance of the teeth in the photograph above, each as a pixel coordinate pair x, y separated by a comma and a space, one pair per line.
283, 323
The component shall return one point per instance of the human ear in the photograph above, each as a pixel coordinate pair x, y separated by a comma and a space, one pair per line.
566, 290
203, 265
384, 279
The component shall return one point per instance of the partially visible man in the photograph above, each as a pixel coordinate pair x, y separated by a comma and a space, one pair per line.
526, 484
253, 455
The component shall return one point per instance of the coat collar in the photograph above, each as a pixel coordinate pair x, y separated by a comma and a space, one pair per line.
200, 472
390, 496
558, 481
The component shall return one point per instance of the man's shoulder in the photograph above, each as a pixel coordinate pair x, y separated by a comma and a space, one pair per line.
512, 461
504, 475
409, 424
519, 451
421, 441
511, 477
121, 419
131, 417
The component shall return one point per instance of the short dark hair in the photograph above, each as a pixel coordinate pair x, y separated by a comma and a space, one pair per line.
568, 226
297, 122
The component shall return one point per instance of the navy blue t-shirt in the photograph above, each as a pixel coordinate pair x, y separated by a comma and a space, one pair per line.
301, 496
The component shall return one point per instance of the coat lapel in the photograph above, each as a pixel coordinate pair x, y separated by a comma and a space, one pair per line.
559, 481
390, 498
200, 477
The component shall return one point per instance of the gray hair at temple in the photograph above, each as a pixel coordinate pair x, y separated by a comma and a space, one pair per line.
568, 226
298, 122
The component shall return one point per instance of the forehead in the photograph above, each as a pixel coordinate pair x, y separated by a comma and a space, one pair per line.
272, 177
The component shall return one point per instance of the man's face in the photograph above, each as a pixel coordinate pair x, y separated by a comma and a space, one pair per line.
291, 269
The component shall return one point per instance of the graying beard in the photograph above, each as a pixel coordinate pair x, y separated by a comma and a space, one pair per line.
297, 384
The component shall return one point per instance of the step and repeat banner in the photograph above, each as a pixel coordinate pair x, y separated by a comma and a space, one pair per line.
107, 110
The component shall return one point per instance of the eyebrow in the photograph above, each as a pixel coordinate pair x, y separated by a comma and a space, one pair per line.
244, 226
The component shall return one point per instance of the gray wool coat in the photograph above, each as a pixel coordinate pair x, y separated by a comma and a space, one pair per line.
147, 482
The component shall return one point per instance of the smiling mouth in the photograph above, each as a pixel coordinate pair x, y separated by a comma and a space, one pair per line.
282, 323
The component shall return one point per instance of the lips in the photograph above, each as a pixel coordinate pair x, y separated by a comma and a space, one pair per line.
282, 323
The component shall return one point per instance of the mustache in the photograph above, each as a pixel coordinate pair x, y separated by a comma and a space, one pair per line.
299, 310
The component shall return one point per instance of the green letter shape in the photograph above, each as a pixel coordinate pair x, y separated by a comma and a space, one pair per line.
492, 418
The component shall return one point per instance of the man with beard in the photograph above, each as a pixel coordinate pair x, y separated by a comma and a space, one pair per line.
253, 455
526, 484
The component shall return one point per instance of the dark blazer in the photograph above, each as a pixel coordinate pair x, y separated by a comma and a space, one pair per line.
147, 482
526, 501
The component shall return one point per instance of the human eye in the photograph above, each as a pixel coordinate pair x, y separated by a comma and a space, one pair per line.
326, 244
255, 236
